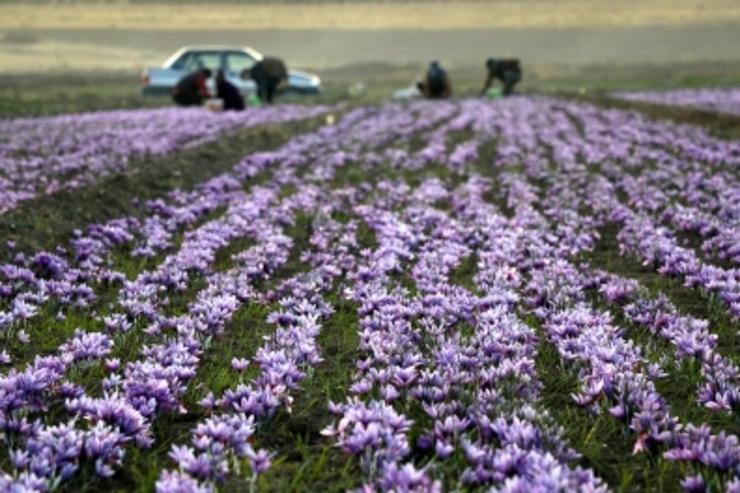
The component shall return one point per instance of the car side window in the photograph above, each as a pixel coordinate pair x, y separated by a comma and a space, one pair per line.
239, 62
204, 59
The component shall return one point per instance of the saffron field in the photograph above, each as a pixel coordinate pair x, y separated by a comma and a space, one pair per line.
529, 294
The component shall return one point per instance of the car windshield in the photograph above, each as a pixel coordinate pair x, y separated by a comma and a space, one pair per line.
238, 62
195, 60
177, 60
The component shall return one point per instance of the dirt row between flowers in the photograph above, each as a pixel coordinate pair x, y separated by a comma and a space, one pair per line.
48, 221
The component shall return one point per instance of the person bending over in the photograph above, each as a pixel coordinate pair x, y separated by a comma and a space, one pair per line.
270, 74
228, 93
435, 84
507, 71
191, 90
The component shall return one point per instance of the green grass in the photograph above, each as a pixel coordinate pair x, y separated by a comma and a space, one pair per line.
604, 442
691, 302
308, 461
34, 95
49, 94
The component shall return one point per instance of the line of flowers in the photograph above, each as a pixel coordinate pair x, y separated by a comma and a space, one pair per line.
694, 444
725, 100
43, 155
397, 370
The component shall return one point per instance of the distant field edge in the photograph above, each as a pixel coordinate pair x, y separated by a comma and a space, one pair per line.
723, 125
468, 14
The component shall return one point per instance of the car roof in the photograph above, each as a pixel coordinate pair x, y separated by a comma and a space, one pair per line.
216, 48
254, 53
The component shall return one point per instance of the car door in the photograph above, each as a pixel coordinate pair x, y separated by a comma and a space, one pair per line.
235, 63
204, 59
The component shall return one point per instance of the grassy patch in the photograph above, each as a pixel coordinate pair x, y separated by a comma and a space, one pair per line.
464, 273
605, 443
308, 461
37, 95
688, 301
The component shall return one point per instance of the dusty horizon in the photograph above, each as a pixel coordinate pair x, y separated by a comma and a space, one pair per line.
351, 16
568, 33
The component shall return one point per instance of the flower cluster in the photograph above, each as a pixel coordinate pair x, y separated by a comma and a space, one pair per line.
722, 100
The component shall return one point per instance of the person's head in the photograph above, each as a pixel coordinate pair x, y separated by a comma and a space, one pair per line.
434, 64
493, 63
219, 76
206, 72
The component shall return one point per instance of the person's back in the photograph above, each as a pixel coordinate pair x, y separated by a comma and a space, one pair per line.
269, 74
436, 82
274, 67
191, 89
228, 93
186, 85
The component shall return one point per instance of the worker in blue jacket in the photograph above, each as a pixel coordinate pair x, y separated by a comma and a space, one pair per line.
436, 83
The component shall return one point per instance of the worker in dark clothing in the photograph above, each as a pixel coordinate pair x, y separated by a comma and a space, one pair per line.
270, 74
507, 71
191, 90
435, 84
228, 93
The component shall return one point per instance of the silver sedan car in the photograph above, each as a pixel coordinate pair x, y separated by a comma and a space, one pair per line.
233, 60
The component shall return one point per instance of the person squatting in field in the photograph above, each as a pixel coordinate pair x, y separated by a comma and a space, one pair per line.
191, 90
228, 93
435, 84
507, 71
270, 74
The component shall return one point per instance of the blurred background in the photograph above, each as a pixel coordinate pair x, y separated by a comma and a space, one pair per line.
71, 55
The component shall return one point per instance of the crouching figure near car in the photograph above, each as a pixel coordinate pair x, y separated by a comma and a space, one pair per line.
191, 90
228, 93
507, 71
435, 84
270, 75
